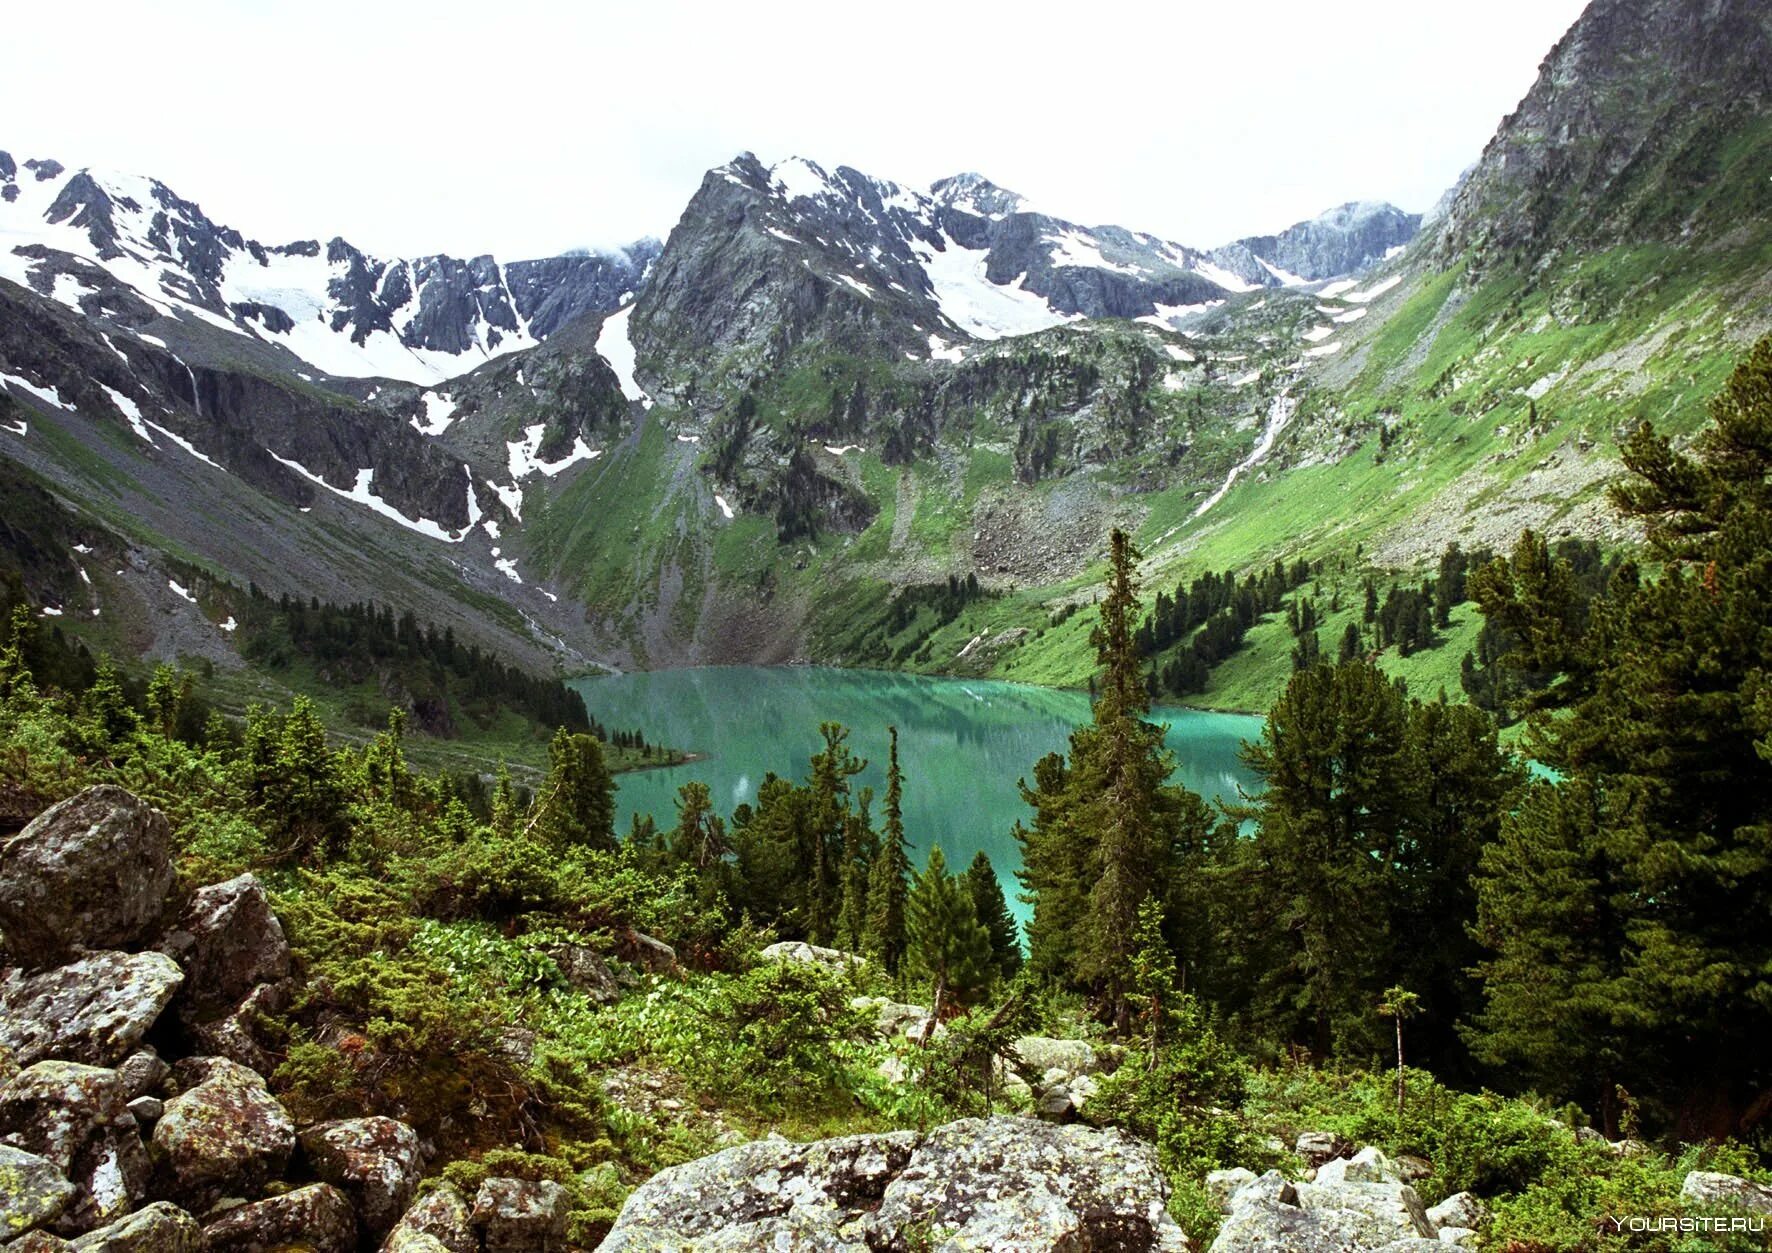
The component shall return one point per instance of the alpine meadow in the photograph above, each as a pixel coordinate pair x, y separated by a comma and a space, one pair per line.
883, 719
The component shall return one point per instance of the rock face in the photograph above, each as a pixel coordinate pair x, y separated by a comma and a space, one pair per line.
77, 1118
375, 1161
223, 1136
32, 1191
998, 1183
438, 1223
92, 872
228, 942
1337, 1213
1461, 1209
1348, 239
94, 1010
156, 1228
520, 1216
315, 1219
1704, 1187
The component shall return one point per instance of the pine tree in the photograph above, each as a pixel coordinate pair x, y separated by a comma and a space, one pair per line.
889, 876
993, 911
576, 805
945, 944
699, 838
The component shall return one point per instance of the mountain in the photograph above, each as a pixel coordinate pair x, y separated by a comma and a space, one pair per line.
131, 248
782, 432
1348, 239
1644, 123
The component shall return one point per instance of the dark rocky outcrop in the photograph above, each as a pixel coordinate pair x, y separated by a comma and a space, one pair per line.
315, 1219
223, 1135
374, 1161
77, 1118
94, 1010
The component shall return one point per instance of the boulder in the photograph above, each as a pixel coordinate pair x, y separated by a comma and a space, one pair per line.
375, 1161
77, 1119
228, 942
157, 1228
1369, 1165
585, 971
38, 1242
834, 960
223, 1136
146, 1110
1463, 1237
1411, 1169
1392, 1209
1040, 1055
94, 1010
314, 1219
142, 1073
1317, 1147
1222, 1185
892, 1019
1729, 1192
235, 1035
92, 872
1413, 1244
997, 1183
440, 1220
1461, 1209
520, 1216
32, 1192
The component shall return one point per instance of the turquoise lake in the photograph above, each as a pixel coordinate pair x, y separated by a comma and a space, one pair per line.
963, 743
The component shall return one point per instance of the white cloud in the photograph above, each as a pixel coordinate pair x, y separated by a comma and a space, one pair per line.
531, 127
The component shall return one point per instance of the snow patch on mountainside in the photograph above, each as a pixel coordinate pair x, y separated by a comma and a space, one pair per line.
976, 305
362, 492
615, 347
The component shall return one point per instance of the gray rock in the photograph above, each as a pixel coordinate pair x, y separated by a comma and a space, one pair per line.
94, 1010
76, 1118
223, 1136
1463, 1237
228, 942
92, 872
1392, 1208
315, 1219
586, 972
1268, 1226
892, 1019
1369, 1165
143, 1072
1222, 1185
1410, 1169
1706, 1187
1040, 1054
32, 1191
375, 1161
1461, 1209
440, 1220
1271, 1186
38, 1242
157, 1228
834, 960
1317, 1147
1413, 1244
652, 955
520, 1216
998, 1183
235, 1033
146, 1110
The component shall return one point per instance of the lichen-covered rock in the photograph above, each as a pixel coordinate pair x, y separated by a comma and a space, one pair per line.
223, 1136
1040, 1054
235, 1033
1222, 1185
92, 872
1463, 1237
585, 971
1461, 1209
94, 1010
39, 1242
315, 1219
832, 959
228, 942
892, 1019
76, 1118
1369, 1165
1392, 1207
146, 1110
1707, 1187
650, 954
997, 1183
143, 1072
32, 1192
1317, 1147
157, 1228
520, 1215
374, 1161
440, 1220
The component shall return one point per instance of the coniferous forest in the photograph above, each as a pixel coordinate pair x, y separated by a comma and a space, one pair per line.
1541, 965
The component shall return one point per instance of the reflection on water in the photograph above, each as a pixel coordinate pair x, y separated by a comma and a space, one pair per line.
963, 744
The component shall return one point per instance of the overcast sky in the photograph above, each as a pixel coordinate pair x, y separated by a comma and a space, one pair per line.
523, 128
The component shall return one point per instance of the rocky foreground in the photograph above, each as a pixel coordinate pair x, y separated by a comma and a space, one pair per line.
136, 1117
